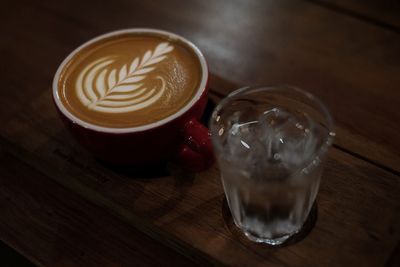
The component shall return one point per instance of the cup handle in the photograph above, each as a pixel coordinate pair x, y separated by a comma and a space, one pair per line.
195, 152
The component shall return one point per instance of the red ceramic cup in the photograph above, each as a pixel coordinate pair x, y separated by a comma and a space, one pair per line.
178, 137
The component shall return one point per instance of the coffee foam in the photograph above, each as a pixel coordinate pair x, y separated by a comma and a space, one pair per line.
116, 90
142, 80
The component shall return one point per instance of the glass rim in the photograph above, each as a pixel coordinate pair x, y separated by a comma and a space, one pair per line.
328, 139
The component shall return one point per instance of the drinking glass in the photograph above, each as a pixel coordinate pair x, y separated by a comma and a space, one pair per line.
270, 143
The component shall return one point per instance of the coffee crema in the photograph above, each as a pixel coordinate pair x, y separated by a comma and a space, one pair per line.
129, 80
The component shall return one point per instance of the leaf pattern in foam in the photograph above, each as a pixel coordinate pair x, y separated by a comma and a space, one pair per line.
111, 79
134, 79
146, 57
118, 87
126, 88
144, 70
101, 82
134, 65
123, 72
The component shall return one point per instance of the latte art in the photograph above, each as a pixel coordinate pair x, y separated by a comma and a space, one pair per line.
101, 88
129, 80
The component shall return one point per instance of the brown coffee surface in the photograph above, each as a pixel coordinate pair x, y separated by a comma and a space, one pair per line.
129, 80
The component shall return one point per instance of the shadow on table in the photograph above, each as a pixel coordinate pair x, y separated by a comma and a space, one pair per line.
9, 257
178, 181
238, 234
161, 169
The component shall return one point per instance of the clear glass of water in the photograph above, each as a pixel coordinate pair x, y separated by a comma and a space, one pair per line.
270, 143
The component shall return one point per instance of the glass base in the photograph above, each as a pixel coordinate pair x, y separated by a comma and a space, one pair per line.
270, 241
288, 238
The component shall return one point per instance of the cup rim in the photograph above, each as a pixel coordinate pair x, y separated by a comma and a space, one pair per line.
328, 139
200, 90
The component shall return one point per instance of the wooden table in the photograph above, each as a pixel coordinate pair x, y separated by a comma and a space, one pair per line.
60, 207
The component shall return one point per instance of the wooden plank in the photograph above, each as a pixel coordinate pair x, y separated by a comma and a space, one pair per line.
384, 13
358, 207
345, 139
55, 227
350, 64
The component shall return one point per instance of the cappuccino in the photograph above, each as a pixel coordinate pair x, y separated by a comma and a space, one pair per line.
129, 80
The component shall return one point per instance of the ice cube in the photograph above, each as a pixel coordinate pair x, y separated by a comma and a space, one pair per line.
278, 142
287, 137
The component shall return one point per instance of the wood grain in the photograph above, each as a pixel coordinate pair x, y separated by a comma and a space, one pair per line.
55, 227
358, 219
384, 13
345, 140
